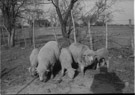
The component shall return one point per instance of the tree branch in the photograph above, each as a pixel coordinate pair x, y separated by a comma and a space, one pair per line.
54, 4
58, 12
21, 5
72, 2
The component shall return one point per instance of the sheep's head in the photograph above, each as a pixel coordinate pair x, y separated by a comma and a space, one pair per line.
88, 56
32, 71
102, 62
43, 75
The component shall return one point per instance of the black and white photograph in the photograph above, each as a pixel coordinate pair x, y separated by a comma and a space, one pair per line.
67, 47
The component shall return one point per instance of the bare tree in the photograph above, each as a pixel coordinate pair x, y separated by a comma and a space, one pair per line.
34, 12
11, 10
64, 18
76, 10
100, 12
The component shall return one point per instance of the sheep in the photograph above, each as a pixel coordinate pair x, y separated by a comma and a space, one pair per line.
66, 61
47, 57
81, 55
102, 56
33, 61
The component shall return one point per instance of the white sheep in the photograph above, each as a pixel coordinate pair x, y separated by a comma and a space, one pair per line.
66, 61
47, 57
102, 57
33, 61
81, 55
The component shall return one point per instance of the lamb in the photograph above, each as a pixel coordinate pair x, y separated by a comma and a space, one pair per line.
47, 57
102, 57
66, 61
81, 55
33, 61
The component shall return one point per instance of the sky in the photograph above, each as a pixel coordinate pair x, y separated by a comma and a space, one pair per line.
128, 11
125, 6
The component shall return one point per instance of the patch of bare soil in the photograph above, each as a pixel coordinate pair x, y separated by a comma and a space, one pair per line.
119, 78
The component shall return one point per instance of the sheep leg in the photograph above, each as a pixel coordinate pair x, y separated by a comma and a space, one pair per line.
79, 62
97, 66
107, 63
41, 77
29, 69
81, 66
62, 72
82, 70
52, 75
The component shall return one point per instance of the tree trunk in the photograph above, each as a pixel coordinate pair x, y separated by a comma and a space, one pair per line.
3, 41
11, 38
64, 31
63, 21
65, 41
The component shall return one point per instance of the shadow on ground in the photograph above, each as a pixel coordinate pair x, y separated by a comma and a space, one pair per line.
107, 82
56, 70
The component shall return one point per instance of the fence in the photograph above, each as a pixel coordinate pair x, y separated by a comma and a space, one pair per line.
118, 35
20, 36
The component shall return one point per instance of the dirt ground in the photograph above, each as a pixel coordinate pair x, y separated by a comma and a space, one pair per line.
15, 79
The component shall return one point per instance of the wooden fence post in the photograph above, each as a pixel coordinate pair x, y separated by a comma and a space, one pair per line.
129, 22
24, 37
73, 27
90, 35
106, 31
33, 33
